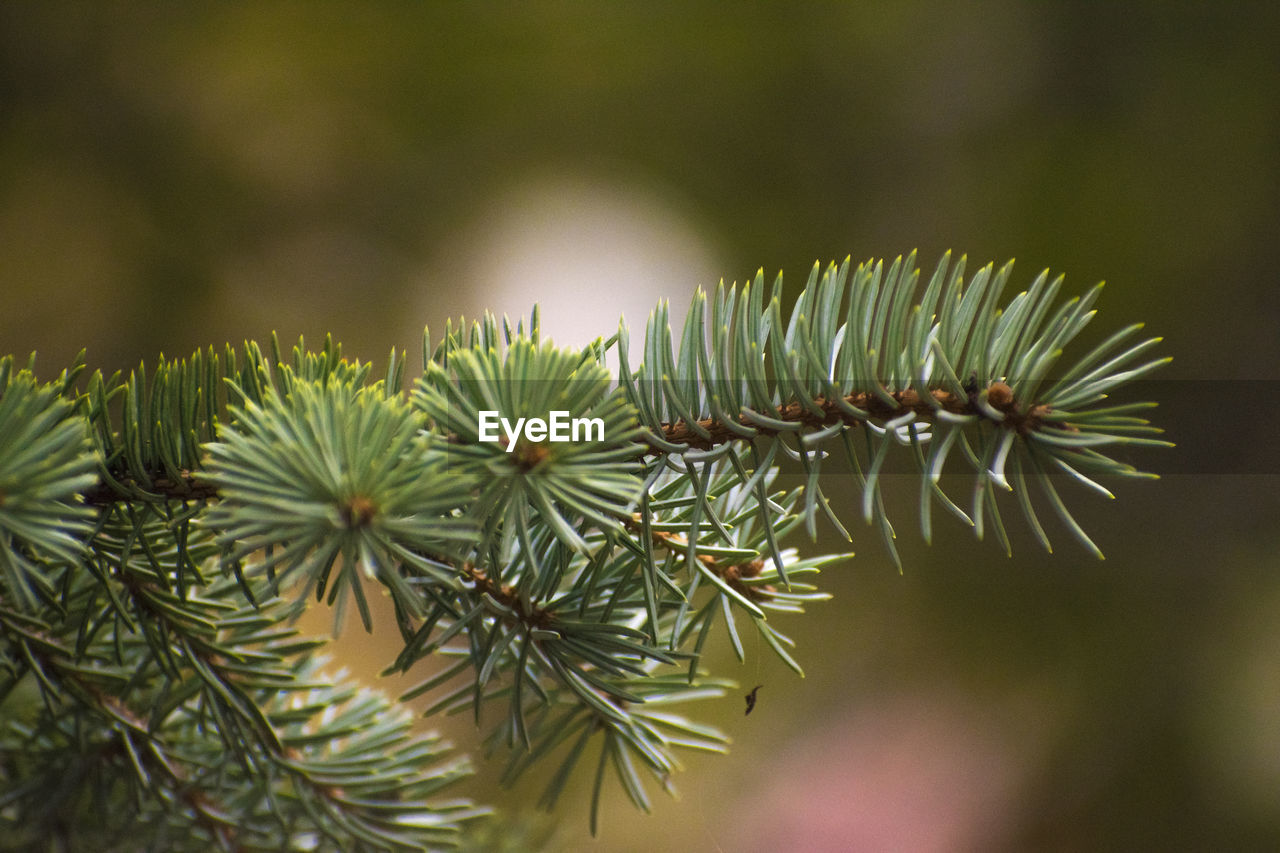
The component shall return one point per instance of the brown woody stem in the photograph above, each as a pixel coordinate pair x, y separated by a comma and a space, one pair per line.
999, 397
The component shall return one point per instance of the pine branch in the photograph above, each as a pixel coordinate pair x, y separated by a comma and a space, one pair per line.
894, 365
158, 530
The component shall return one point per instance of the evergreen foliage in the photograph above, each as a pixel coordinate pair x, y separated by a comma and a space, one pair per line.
158, 531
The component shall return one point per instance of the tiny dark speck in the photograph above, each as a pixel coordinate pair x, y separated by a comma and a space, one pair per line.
751, 699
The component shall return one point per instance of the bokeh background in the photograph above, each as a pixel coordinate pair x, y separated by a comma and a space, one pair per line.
174, 176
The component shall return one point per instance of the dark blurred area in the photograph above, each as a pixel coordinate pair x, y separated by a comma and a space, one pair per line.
174, 176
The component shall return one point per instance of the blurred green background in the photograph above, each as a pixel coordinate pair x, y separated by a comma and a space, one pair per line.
173, 176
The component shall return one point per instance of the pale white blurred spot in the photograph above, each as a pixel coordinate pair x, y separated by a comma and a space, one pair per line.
587, 251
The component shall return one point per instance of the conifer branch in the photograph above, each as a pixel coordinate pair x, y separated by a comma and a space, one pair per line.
157, 529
